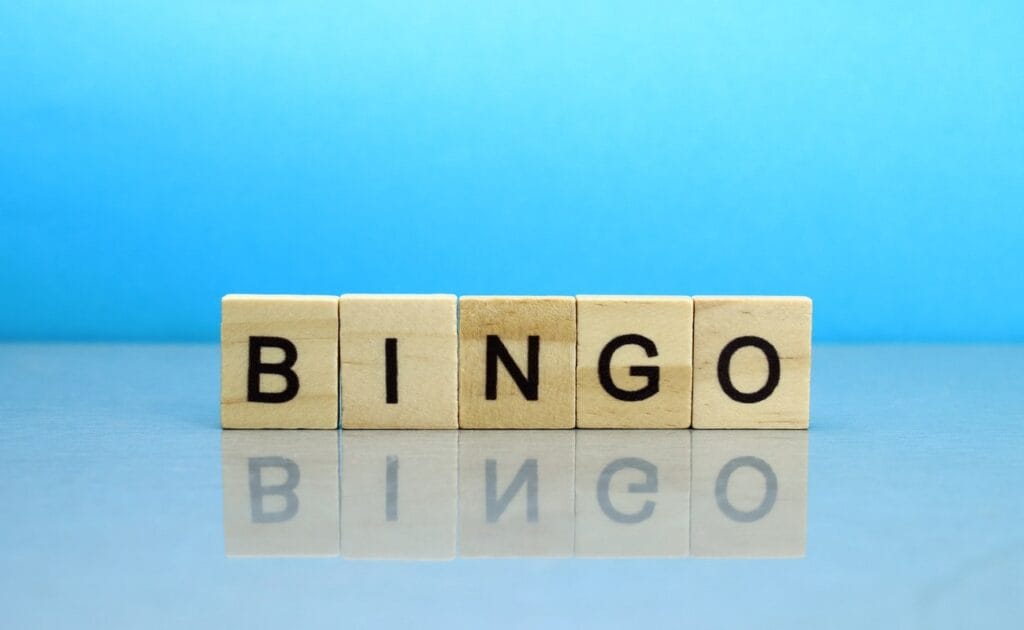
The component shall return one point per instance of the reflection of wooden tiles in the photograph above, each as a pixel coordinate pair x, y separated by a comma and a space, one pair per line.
516, 493
280, 493
632, 493
398, 494
613, 362
432, 495
749, 494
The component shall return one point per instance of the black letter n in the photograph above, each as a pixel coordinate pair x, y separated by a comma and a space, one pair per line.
528, 383
283, 369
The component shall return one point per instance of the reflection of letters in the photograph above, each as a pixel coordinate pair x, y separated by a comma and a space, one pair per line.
391, 489
527, 475
771, 489
280, 493
632, 493
515, 493
749, 494
398, 494
437, 494
649, 470
258, 491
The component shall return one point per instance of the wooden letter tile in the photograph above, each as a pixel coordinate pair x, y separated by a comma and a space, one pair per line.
279, 362
399, 362
751, 362
634, 362
517, 362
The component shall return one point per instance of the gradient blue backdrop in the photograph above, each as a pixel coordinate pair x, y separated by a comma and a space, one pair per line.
155, 155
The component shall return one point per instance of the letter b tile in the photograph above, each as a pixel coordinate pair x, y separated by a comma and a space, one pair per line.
279, 362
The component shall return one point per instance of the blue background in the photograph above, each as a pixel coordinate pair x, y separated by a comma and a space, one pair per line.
156, 155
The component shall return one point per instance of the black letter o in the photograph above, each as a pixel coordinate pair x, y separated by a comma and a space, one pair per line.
774, 369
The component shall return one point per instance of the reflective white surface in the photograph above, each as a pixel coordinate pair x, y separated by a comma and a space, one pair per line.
126, 505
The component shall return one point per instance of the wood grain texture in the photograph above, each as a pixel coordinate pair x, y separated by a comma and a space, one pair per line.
634, 401
308, 322
552, 321
727, 331
424, 389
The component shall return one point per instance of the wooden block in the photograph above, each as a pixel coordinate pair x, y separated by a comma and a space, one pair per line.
517, 362
279, 362
515, 493
399, 362
634, 362
632, 493
751, 362
280, 493
749, 494
398, 494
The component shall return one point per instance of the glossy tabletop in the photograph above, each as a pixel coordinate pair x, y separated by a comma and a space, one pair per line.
125, 505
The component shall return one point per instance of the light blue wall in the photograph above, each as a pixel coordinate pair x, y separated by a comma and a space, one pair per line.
155, 155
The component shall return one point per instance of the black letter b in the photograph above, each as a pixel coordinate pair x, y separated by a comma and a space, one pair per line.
283, 369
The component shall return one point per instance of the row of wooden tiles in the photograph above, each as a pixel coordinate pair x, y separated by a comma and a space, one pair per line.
438, 362
435, 495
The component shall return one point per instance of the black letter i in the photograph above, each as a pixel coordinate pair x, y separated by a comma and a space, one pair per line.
391, 370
